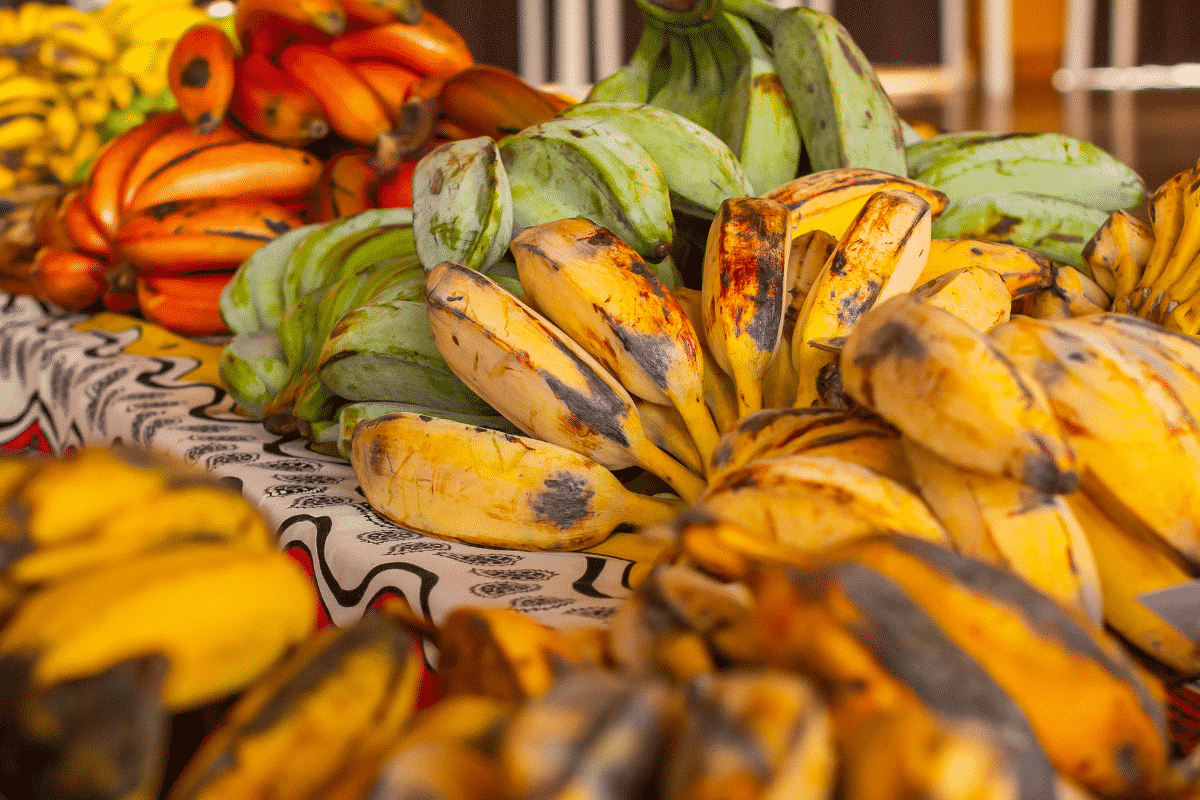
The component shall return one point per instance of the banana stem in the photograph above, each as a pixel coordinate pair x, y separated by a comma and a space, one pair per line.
687, 484
645, 511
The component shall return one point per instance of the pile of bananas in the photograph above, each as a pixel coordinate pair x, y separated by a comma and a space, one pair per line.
133, 588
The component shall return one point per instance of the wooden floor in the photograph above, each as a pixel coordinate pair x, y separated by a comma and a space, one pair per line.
1157, 132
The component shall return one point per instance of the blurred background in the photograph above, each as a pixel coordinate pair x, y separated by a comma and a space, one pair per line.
958, 64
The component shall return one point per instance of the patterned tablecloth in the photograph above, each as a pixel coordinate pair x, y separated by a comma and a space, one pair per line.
67, 381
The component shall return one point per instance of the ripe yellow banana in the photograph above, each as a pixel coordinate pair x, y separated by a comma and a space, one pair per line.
1011, 525
829, 200
744, 290
948, 386
1063, 672
538, 377
667, 430
598, 290
476, 485
1136, 443
720, 396
1167, 206
812, 501
1118, 253
1024, 271
221, 615
344, 693
882, 253
976, 295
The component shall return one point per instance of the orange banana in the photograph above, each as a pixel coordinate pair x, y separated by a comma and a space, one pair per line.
493, 101
353, 109
273, 105
367, 13
431, 47
68, 278
103, 185
271, 33
349, 184
427, 88
169, 148
195, 235
80, 226
395, 191
236, 169
200, 74
185, 304
327, 16
390, 81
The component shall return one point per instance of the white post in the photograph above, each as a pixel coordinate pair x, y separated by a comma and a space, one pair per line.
571, 46
610, 37
996, 56
532, 41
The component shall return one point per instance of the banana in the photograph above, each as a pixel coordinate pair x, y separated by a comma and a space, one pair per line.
595, 288
253, 370
881, 254
744, 291
846, 119
385, 350
524, 366
700, 169
429, 47
492, 101
380, 12
343, 694
82, 626
949, 387
726, 746
1130, 566
198, 235
80, 227
1118, 253
1044, 163
720, 396
1136, 443
247, 169
327, 16
809, 502
187, 304
920, 154
979, 644
830, 199
756, 119
1057, 228
348, 185
667, 430
976, 295
484, 487
253, 299
354, 111
68, 279
1178, 283
694, 85
164, 24
581, 167
391, 83
762, 434
273, 105
631, 82
350, 414
1072, 294
1167, 208
463, 209
200, 73
18, 131
25, 85
64, 127
1024, 271
66, 62
1006, 523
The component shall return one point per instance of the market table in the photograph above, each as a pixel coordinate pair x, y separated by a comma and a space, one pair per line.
74, 380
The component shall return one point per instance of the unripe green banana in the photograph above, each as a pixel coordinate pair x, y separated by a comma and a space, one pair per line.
386, 351
846, 118
700, 169
462, 210
258, 284
1051, 164
757, 122
307, 268
566, 168
1052, 226
253, 369
631, 81
920, 154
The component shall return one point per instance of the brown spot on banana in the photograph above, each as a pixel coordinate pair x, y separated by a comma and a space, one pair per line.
564, 501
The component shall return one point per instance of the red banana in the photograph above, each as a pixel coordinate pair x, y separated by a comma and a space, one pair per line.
390, 82
80, 226
395, 191
273, 105
353, 109
348, 185
200, 74
185, 304
327, 16
493, 101
431, 47
169, 148
271, 33
68, 278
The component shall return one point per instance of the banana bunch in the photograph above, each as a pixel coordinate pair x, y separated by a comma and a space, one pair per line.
135, 589
787, 90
